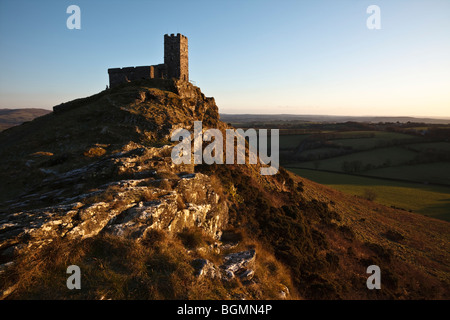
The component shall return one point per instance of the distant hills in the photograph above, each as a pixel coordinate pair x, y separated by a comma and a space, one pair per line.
238, 118
13, 117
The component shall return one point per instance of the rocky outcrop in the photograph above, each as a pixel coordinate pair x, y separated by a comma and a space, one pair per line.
240, 264
126, 208
102, 165
127, 189
164, 213
284, 292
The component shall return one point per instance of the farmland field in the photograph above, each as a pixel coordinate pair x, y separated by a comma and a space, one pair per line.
405, 165
377, 140
376, 157
380, 154
291, 141
437, 172
441, 146
433, 201
378, 135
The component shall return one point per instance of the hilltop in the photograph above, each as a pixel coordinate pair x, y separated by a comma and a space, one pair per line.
93, 184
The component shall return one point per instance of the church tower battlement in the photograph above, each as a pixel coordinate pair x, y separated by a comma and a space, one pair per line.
176, 56
176, 64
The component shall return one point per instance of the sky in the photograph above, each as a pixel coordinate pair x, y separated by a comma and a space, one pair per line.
252, 56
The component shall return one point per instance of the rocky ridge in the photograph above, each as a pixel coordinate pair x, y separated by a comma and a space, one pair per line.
126, 192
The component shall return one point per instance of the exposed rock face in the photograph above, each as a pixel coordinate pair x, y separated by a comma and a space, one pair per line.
165, 214
126, 207
284, 292
240, 264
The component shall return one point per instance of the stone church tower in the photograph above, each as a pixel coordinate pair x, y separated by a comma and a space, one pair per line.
176, 64
176, 56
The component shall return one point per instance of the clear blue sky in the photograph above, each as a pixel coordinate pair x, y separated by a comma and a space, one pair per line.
298, 57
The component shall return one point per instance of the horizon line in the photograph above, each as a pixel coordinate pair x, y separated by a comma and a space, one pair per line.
295, 114
334, 115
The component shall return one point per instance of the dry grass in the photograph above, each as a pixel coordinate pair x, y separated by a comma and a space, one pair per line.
194, 238
165, 184
327, 239
111, 268
158, 267
271, 273
405, 245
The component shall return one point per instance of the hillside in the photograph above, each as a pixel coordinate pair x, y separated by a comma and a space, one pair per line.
14, 117
93, 184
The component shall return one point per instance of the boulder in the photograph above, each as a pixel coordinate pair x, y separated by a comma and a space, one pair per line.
283, 293
240, 264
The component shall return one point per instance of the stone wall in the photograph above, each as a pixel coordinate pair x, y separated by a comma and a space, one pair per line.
121, 75
176, 64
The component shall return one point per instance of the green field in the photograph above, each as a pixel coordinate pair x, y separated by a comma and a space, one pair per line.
318, 152
379, 135
357, 144
392, 155
378, 140
290, 141
358, 140
386, 159
428, 200
435, 146
437, 172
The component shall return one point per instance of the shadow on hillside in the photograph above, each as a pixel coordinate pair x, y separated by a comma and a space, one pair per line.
442, 206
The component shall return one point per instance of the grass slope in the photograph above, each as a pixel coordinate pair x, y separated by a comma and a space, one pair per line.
428, 200
376, 157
